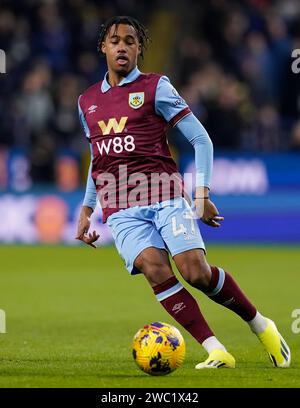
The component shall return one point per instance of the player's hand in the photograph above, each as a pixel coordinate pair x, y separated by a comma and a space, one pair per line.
208, 213
84, 223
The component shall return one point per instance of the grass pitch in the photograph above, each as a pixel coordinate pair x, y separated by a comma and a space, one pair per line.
72, 313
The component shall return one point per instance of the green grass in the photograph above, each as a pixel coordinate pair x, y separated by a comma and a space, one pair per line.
72, 312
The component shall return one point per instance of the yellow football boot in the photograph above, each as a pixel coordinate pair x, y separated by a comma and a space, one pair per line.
217, 359
275, 345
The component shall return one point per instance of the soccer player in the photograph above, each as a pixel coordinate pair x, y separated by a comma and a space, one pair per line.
125, 118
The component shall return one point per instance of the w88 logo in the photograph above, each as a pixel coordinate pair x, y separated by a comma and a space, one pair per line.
117, 145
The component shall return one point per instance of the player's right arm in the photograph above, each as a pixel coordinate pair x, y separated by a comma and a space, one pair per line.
89, 202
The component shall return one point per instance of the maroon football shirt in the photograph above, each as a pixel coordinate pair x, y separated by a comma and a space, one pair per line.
132, 164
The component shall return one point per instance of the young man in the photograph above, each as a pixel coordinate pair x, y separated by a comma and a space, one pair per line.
125, 117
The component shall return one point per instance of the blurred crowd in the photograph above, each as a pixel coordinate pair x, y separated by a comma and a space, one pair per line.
51, 49
235, 71
232, 64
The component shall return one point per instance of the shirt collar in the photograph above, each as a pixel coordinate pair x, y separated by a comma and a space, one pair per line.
132, 76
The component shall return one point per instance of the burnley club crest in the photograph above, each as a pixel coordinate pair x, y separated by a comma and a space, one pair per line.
136, 99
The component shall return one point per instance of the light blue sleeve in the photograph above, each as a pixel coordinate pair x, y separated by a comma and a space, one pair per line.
168, 102
83, 121
90, 197
196, 134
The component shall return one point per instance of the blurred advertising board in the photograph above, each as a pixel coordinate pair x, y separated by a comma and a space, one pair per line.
45, 217
259, 197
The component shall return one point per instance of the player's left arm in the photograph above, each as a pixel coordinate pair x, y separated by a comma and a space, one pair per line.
176, 112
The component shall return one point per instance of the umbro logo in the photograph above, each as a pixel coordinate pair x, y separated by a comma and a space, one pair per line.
178, 307
92, 109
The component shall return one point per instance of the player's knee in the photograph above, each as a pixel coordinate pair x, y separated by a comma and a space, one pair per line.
196, 272
155, 271
198, 278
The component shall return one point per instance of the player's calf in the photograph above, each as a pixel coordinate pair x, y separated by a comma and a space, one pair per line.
181, 305
224, 290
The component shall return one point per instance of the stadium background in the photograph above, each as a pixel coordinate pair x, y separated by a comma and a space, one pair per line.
231, 61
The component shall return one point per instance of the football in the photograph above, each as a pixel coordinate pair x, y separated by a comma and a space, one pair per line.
158, 348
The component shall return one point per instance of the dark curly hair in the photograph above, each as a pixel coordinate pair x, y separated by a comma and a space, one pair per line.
141, 31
